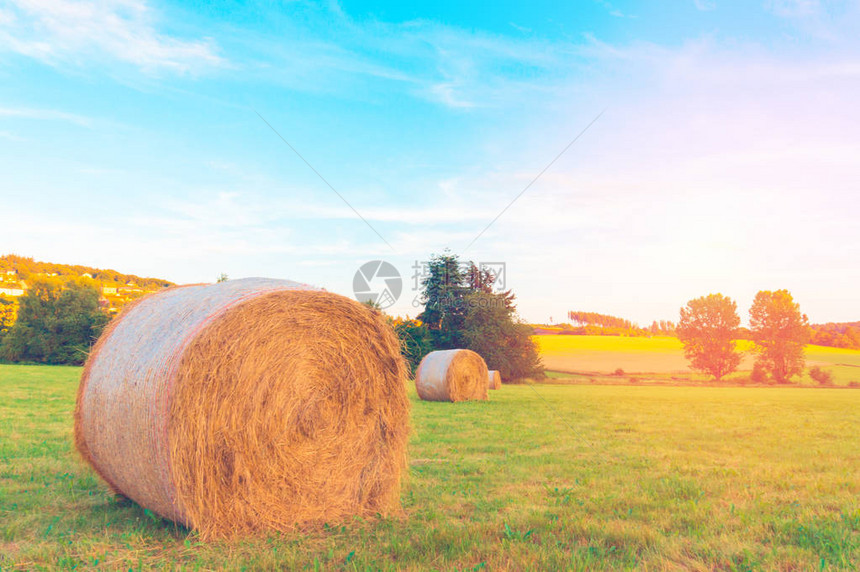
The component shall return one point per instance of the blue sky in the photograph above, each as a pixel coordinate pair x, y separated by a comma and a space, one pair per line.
727, 158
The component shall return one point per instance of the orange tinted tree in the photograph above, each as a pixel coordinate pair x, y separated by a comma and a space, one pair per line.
780, 331
707, 329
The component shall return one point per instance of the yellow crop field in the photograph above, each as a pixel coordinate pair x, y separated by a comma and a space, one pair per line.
605, 354
665, 355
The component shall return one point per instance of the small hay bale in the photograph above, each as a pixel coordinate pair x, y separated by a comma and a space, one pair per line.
246, 406
452, 375
495, 379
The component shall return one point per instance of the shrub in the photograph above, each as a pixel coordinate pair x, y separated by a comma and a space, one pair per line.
619, 372
854, 383
821, 376
758, 373
414, 340
57, 322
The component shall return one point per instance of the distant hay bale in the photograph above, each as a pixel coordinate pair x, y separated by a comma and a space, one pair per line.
245, 406
495, 379
451, 375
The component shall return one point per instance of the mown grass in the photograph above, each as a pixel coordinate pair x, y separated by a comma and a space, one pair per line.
540, 477
659, 358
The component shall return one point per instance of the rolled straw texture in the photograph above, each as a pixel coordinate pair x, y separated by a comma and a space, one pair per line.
495, 379
452, 375
248, 405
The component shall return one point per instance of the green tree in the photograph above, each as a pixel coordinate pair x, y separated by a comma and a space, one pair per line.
462, 311
57, 323
707, 328
491, 329
443, 296
779, 331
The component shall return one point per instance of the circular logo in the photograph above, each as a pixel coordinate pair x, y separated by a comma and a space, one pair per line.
378, 282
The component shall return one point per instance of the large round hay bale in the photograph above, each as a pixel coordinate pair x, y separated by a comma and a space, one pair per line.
246, 406
495, 381
451, 375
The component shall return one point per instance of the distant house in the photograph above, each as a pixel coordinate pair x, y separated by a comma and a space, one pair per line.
12, 291
86, 275
11, 273
106, 290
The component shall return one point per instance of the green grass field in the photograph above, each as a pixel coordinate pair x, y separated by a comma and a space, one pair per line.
661, 357
540, 477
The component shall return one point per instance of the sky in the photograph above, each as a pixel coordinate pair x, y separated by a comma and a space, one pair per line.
617, 157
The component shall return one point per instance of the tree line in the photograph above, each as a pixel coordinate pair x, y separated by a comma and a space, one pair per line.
59, 320
603, 320
26, 268
832, 334
837, 335
596, 324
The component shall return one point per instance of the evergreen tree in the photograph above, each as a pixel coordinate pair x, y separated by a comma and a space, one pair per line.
443, 297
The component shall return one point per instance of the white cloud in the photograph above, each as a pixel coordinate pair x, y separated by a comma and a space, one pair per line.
11, 136
612, 10
447, 94
446, 65
519, 28
63, 31
705, 5
46, 114
793, 8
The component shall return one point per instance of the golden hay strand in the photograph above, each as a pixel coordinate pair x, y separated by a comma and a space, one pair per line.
274, 407
495, 379
452, 375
